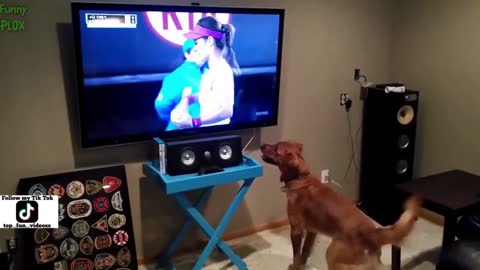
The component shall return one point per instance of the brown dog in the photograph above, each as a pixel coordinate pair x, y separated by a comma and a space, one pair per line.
313, 208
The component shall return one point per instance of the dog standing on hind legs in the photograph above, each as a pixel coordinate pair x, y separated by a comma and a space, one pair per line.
314, 207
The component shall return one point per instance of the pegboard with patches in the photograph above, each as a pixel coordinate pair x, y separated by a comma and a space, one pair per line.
95, 222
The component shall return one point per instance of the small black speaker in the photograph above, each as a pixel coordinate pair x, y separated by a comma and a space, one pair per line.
388, 150
203, 155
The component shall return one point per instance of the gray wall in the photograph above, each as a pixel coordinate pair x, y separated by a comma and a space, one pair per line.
435, 50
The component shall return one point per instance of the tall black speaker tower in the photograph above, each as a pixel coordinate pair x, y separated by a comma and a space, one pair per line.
388, 150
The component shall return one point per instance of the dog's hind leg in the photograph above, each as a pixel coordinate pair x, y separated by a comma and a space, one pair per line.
307, 247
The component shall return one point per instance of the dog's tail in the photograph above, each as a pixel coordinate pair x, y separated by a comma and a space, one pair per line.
396, 233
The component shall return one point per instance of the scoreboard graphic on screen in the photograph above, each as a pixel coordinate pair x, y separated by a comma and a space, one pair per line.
99, 20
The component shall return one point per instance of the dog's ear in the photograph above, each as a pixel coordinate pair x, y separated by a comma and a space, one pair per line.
297, 163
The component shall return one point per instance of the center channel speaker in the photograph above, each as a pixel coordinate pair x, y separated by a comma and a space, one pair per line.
388, 150
203, 155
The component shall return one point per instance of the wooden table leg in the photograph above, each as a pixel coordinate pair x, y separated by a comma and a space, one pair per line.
449, 233
396, 258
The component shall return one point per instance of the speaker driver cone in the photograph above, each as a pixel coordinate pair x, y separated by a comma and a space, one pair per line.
405, 115
188, 157
225, 152
402, 166
403, 141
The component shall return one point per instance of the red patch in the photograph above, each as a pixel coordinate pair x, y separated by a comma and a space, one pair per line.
120, 238
101, 204
111, 183
81, 264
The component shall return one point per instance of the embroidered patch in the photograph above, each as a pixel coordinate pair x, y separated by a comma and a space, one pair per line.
93, 186
111, 183
61, 212
116, 221
124, 257
75, 189
61, 265
120, 238
56, 190
101, 204
40, 235
103, 241
81, 264
101, 224
86, 245
37, 190
117, 201
46, 253
79, 209
104, 261
69, 248
80, 228
60, 233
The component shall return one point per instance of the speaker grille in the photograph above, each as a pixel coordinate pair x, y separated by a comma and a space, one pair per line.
225, 152
405, 114
187, 157
402, 166
403, 141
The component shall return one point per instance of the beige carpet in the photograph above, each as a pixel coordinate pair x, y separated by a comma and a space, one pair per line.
272, 250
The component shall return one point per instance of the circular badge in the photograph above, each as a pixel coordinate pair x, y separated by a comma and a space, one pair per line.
80, 228
123, 257
69, 248
41, 235
116, 221
101, 204
56, 190
46, 253
103, 241
104, 261
86, 245
120, 238
37, 190
75, 189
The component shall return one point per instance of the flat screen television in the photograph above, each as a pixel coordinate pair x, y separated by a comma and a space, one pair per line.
147, 71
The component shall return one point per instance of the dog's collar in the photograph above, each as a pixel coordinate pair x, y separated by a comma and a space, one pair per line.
296, 184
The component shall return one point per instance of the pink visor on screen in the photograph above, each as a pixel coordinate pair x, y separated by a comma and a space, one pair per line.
199, 31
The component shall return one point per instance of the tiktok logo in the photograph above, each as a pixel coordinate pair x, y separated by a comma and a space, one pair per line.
27, 211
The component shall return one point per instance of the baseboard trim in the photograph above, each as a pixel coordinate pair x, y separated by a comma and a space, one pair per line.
432, 217
199, 244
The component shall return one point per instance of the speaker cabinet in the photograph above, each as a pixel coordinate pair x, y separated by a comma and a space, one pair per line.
388, 150
203, 155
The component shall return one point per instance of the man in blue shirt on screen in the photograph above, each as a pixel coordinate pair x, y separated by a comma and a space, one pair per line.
186, 77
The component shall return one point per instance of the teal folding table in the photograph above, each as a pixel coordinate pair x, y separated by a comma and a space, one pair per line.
176, 186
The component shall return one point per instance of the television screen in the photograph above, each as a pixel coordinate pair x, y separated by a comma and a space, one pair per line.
149, 71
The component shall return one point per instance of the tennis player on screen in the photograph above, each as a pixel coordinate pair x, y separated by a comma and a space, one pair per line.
183, 80
213, 46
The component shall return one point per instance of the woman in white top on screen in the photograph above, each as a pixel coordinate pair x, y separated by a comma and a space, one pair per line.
213, 45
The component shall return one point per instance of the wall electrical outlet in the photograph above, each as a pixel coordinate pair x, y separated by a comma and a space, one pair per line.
325, 176
344, 97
